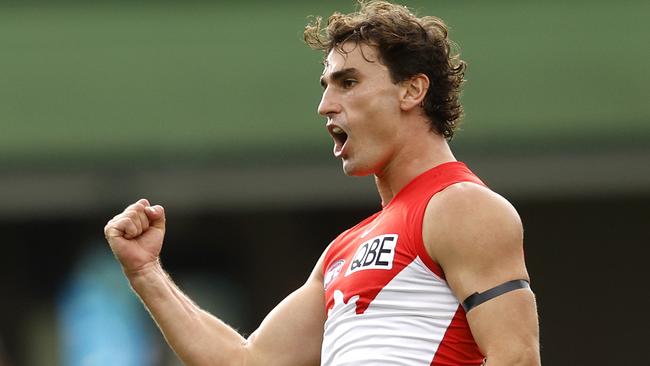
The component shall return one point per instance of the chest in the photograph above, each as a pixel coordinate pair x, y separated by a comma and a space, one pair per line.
367, 258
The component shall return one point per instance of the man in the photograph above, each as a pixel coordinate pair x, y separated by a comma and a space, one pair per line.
437, 277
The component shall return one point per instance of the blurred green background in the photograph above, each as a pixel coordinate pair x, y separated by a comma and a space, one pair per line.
210, 108
84, 82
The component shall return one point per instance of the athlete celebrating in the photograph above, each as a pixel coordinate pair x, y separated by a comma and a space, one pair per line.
437, 277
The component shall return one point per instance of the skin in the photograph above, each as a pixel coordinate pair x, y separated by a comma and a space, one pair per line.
197, 337
473, 233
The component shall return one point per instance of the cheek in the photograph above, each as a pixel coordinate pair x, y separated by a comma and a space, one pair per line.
385, 101
375, 103
384, 117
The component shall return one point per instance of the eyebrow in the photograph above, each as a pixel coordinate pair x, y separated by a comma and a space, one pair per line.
339, 75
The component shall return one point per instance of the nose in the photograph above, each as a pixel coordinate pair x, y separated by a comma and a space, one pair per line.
328, 104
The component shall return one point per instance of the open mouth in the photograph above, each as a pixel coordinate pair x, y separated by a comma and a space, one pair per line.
340, 137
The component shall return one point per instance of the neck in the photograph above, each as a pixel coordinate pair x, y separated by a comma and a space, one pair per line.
412, 160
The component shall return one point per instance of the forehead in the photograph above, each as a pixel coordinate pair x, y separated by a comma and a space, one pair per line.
359, 56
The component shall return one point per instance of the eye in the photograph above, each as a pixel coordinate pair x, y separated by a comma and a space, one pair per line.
348, 83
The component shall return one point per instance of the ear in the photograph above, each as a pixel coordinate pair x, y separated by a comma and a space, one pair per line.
413, 91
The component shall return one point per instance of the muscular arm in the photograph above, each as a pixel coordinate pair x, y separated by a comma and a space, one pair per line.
290, 335
476, 237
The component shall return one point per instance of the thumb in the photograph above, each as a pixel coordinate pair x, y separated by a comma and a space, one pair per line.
156, 215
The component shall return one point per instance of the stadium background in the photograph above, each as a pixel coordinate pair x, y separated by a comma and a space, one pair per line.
210, 109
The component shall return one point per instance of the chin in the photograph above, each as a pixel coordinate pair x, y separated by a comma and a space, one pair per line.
355, 170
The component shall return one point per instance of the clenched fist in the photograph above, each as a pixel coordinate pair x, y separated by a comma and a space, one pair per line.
136, 236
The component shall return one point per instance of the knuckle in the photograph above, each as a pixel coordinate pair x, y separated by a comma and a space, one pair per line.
132, 214
133, 222
134, 207
124, 224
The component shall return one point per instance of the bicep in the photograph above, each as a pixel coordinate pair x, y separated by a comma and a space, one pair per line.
477, 238
292, 333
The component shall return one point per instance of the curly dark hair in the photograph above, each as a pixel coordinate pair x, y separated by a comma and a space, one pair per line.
408, 45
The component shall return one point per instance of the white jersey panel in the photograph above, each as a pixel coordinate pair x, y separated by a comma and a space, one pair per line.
403, 325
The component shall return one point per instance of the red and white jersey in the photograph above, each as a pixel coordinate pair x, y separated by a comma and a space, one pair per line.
387, 301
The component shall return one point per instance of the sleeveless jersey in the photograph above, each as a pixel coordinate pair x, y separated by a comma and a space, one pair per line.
387, 301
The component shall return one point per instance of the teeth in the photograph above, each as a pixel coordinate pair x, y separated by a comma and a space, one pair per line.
337, 130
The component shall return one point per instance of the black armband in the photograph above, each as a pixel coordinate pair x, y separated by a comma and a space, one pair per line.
476, 298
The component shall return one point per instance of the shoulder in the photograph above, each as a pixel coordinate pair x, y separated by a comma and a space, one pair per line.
469, 227
317, 272
467, 202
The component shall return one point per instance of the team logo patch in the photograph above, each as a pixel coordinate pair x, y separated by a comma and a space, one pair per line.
332, 272
376, 253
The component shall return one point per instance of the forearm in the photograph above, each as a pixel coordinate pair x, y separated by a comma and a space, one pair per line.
197, 337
